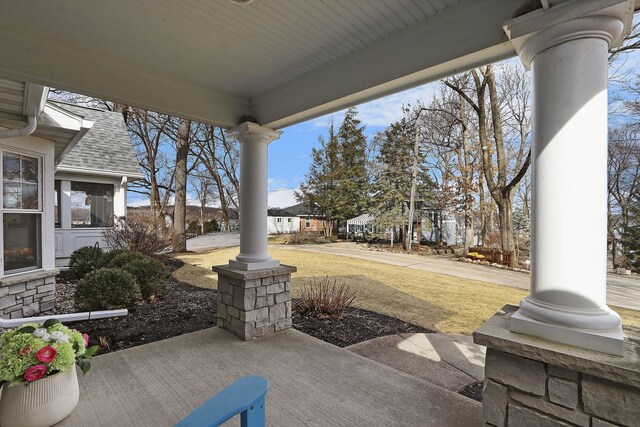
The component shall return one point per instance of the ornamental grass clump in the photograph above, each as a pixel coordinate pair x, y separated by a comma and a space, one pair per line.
324, 297
37, 351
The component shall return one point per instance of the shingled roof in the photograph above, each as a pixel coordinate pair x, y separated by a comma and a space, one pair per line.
106, 148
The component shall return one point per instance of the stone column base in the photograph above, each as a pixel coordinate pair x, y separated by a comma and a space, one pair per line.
532, 381
254, 303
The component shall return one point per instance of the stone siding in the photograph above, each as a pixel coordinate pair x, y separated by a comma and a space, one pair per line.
254, 303
531, 381
512, 395
27, 295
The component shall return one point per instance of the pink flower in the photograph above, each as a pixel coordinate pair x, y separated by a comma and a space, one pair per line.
35, 373
46, 354
86, 340
25, 350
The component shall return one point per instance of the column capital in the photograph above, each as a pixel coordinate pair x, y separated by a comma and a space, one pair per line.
249, 131
534, 32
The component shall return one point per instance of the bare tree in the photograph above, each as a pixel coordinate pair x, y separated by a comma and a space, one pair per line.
624, 179
180, 203
219, 156
500, 107
453, 155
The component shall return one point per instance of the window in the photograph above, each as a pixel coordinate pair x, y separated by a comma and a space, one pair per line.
289, 220
21, 212
91, 204
307, 222
279, 220
56, 203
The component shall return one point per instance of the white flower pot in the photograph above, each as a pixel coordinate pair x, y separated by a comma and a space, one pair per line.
40, 404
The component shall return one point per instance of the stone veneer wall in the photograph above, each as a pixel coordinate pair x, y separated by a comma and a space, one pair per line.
27, 294
526, 392
551, 384
254, 303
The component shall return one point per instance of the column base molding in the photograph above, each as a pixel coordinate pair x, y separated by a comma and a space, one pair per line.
610, 342
252, 266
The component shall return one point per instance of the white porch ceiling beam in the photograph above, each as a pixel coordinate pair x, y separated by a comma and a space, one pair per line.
459, 38
31, 55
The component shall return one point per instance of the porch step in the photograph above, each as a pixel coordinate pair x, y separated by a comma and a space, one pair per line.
450, 362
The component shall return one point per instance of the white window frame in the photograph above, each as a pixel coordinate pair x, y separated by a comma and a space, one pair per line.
38, 211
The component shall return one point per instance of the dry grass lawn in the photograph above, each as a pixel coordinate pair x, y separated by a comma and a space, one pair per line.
450, 304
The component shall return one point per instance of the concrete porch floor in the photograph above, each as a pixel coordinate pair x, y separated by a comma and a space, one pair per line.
312, 384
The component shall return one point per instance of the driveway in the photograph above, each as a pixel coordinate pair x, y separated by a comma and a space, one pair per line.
220, 239
622, 291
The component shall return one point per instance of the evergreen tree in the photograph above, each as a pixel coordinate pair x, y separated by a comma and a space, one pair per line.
321, 182
630, 236
393, 169
352, 198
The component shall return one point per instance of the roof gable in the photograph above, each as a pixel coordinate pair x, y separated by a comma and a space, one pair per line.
106, 147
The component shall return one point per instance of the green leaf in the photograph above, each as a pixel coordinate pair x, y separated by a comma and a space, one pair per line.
26, 330
91, 351
86, 365
50, 322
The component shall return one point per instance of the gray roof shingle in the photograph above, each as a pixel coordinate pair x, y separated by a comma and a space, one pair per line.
105, 147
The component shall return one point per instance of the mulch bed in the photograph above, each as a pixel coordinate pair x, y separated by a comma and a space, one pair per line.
473, 390
185, 308
180, 310
355, 325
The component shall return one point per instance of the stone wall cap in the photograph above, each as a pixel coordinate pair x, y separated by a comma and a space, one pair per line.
27, 276
253, 274
495, 333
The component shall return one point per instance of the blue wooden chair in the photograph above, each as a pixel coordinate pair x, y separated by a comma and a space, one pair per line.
245, 397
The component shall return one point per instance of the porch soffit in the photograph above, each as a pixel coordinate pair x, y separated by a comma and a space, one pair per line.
279, 61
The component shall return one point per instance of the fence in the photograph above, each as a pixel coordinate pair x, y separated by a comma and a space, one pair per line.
496, 256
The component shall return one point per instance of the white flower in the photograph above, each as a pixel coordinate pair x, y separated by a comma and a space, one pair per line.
46, 337
59, 336
40, 332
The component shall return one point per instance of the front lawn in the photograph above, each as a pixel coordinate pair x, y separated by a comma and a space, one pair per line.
449, 304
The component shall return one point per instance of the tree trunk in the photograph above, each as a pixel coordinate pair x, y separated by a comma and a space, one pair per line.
507, 240
180, 207
468, 230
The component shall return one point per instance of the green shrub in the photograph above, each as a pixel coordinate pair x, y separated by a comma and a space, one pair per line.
150, 274
106, 289
84, 260
124, 258
107, 257
211, 226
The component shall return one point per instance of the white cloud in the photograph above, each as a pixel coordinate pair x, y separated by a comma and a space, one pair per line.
282, 198
382, 112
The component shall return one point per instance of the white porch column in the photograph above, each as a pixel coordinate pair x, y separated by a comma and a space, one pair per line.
566, 48
254, 140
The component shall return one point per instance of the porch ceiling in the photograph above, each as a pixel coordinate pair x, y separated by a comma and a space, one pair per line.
279, 61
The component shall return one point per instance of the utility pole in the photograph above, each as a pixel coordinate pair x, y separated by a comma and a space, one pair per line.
414, 178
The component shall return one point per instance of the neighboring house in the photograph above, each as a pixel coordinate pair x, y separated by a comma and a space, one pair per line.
433, 225
360, 225
309, 217
282, 221
91, 182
